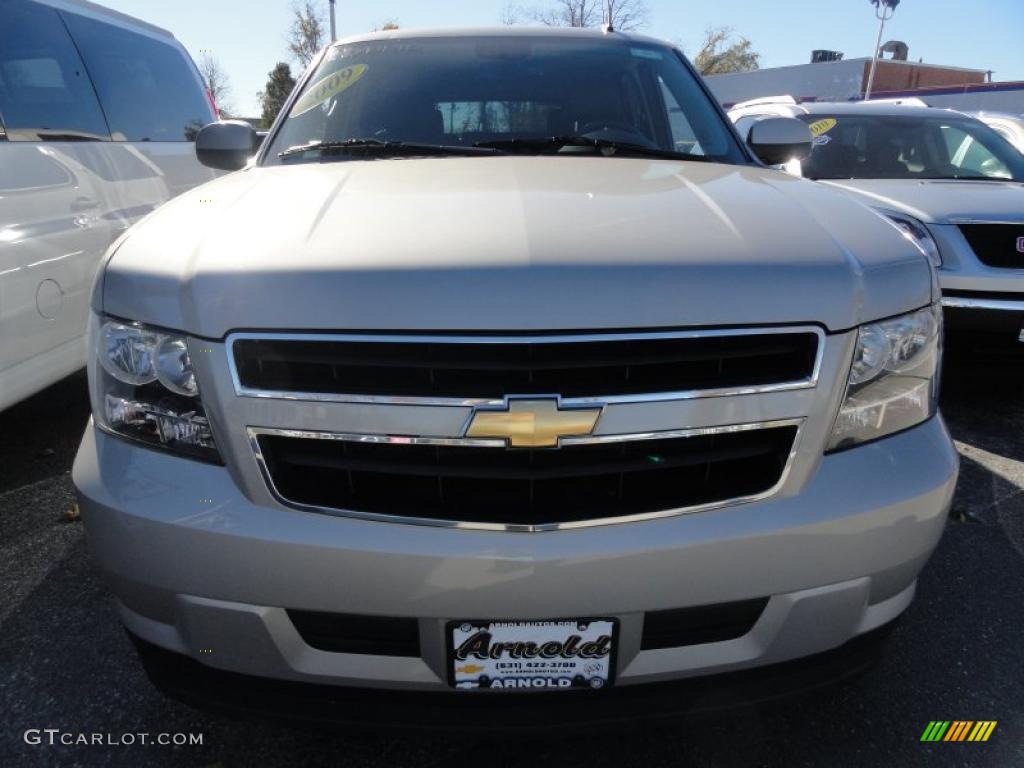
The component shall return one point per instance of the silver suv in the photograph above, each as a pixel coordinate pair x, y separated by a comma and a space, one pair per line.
951, 182
505, 366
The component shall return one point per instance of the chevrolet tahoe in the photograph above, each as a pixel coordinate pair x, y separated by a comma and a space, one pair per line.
505, 368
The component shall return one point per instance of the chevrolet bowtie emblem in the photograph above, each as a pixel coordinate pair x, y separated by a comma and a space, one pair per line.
533, 423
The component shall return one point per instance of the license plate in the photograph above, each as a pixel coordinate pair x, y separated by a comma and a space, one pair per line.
531, 655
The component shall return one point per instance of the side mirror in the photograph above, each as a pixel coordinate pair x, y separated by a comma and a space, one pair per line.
777, 140
227, 145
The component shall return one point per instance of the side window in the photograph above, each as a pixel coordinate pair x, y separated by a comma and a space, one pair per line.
971, 157
148, 88
45, 93
954, 139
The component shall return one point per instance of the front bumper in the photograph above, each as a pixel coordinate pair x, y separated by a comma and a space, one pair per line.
206, 688
202, 571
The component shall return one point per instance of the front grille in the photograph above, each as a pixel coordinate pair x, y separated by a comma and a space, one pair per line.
352, 633
525, 488
996, 245
701, 624
488, 369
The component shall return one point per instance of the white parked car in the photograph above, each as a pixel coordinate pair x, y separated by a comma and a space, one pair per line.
98, 115
953, 184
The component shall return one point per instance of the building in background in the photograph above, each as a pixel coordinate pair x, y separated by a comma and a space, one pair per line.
831, 78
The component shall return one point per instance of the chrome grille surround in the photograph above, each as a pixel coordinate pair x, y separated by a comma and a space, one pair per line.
254, 430
254, 434
243, 391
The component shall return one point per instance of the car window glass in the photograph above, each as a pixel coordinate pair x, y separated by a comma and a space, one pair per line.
45, 92
148, 89
464, 119
464, 91
683, 136
925, 146
970, 155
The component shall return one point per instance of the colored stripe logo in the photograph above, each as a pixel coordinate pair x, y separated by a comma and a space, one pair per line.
959, 730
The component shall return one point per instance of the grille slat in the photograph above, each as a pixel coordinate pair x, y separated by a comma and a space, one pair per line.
996, 245
526, 487
491, 370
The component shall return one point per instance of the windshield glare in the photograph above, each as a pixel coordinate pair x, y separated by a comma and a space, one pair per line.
908, 147
467, 91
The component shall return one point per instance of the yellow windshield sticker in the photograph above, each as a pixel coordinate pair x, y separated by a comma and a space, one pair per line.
818, 127
328, 87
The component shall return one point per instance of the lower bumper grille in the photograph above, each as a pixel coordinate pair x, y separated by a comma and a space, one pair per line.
351, 633
703, 624
399, 636
525, 489
996, 245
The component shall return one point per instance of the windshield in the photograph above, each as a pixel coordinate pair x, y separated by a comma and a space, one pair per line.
908, 147
508, 94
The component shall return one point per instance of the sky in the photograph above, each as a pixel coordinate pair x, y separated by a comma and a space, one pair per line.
248, 36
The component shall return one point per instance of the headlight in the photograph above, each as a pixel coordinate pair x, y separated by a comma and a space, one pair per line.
143, 388
893, 380
918, 234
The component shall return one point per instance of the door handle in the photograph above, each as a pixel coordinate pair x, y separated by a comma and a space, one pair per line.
80, 204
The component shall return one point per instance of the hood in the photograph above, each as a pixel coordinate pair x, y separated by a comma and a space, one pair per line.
941, 201
510, 243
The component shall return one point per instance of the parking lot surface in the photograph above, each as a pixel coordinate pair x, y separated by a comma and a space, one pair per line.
66, 664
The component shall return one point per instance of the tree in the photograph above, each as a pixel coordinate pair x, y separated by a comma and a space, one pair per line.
217, 82
388, 26
273, 97
721, 53
511, 14
625, 15
307, 35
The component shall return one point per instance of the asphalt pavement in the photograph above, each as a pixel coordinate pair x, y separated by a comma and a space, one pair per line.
66, 664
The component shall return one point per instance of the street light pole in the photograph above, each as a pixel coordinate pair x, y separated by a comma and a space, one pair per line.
334, 28
884, 10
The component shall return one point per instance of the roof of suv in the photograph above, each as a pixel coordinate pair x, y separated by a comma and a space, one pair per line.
505, 31
96, 11
982, 114
787, 105
868, 108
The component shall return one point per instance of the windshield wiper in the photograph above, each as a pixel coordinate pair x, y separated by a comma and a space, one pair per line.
378, 148
608, 147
